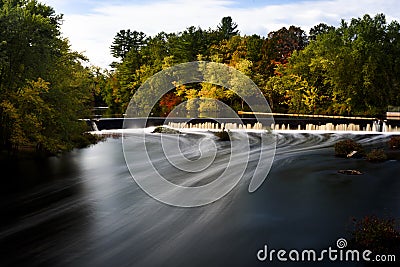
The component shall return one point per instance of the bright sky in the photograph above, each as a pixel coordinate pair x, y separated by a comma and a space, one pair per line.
91, 25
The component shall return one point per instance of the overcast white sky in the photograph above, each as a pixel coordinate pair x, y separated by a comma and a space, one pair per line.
91, 25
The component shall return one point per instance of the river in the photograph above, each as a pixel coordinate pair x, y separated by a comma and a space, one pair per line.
83, 208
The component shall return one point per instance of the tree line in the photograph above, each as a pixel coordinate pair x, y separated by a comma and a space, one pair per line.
352, 69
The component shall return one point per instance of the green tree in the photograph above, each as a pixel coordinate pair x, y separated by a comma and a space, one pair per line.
353, 69
43, 86
187, 45
125, 41
290, 93
156, 50
227, 28
318, 30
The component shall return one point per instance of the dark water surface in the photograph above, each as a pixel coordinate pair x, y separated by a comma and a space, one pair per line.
84, 209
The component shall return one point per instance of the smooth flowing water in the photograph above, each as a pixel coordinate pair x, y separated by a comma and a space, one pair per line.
84, 209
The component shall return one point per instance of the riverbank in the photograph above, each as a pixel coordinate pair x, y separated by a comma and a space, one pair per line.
33, 152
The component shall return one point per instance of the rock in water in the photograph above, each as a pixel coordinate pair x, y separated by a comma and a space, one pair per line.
165, 130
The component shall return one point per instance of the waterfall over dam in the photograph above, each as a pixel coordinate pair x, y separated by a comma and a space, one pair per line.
280, 124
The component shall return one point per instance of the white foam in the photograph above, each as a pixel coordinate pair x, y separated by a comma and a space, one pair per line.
204, 131
334, 132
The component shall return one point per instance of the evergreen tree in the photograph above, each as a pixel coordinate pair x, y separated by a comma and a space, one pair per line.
227, 28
